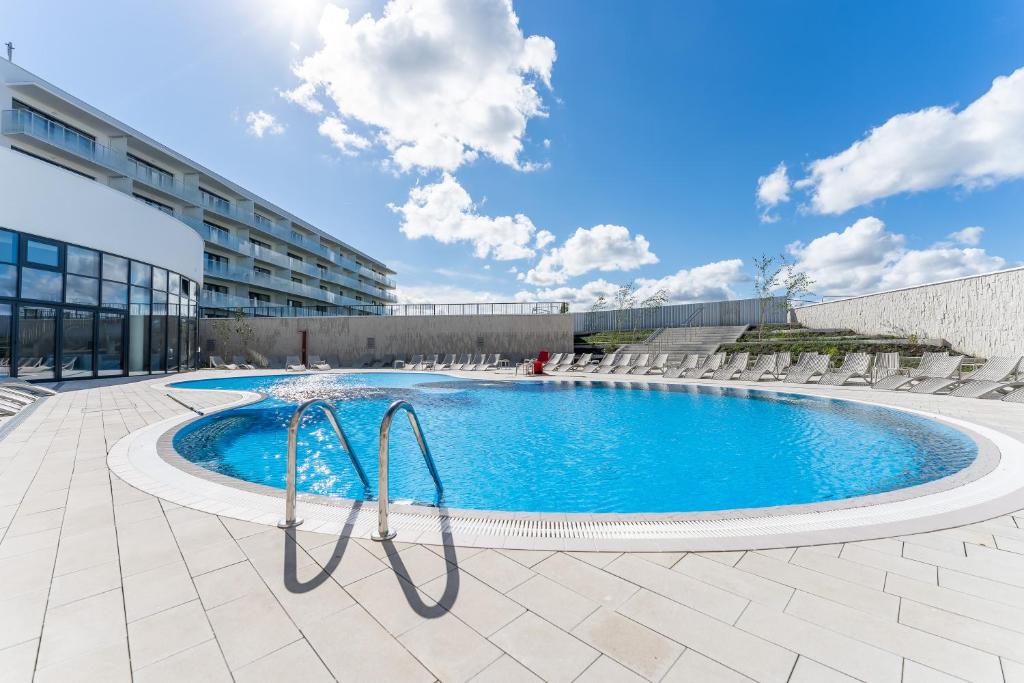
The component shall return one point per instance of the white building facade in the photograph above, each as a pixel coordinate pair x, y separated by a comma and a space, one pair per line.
254, 254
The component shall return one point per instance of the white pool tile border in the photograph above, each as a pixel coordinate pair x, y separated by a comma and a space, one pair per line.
136, 460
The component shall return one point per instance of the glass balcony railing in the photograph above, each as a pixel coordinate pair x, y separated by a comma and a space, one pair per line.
20, 121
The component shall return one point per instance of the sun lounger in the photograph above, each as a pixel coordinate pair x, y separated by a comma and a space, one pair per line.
708, 366
604, 364
783, 360
854, 365
492, 362
477, 363
622, 364
316, 364
553, 362
641, 366
425, 363
239, 362
975, 384
737, 363
814, 365
659, 363
27, 386
1016, 396
933, 364
447, 363
764, 365
886, 364
582, 362
464, 360
568, 360
17, 397
217, 363
293, 364
688, 362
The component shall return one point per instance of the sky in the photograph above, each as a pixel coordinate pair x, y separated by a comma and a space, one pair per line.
531, 150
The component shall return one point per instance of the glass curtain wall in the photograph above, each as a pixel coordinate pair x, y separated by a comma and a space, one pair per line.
69, 312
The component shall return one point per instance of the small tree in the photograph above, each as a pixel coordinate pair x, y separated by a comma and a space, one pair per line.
599, 304
772, 274
656, 300
625, 298
233, 332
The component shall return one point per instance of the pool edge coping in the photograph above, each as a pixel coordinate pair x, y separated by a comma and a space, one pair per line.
581, 530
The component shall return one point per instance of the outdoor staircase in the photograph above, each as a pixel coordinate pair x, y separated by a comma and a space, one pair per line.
678, 341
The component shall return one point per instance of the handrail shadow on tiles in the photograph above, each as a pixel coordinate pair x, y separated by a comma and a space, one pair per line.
293, 433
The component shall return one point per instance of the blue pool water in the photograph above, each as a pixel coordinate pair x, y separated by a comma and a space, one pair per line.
564, 447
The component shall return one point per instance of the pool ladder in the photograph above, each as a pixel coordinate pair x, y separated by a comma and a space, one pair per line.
384, 532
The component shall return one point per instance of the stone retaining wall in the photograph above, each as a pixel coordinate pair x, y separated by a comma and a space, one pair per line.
343, 340
982, 315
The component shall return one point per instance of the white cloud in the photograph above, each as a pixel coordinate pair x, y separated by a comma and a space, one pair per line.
709, 282
446, 212
261, 123
543, 238
547, 143
440, 81
773, 189
980, 146
445, 294
970, 236
602, 247
866, 257
347, 142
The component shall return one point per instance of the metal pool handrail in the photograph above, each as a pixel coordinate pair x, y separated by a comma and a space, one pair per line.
383, 532
293, 433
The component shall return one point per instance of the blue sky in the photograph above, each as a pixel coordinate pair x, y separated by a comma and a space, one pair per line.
659, 121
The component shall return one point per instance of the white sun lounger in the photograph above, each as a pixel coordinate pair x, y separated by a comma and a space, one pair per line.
568, 360
641, 366
217, 363
447, 363
933, 364
316, 364
293, 364
464, 360
689, 362
582, 362
737, 363
27, 386
553, 362
658, 363
989, 377
239, 361
1016, 396
812, 366
622, 364
426, 363
606, 362
764, 365
709, 366
854, 365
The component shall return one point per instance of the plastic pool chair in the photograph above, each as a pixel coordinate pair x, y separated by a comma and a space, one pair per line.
946, 369
764, 365
217, 363
425, 363
1015, 396
976, 384
464, 360
737, 363
708, 366
316, 364
628, 362
582, 362
606, 362
624, 361
492, 362
239, 361
783, 360
293, 364
641, 366
568, 360
689, 362
447, 363
854, 365
22, 385
802, 373
659, 363
553, 362
929, 367
477, 363
886, 364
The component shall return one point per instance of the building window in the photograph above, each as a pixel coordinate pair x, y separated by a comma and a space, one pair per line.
294, 256
323, 269
258, 298
169, 210
262, 220
216, 231
297, 236
215, 200
294, 304
18, 104
216, 289
260, 271
297, 279
214, 261
258, 243
151, 172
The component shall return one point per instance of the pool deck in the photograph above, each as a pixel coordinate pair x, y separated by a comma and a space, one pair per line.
101, 581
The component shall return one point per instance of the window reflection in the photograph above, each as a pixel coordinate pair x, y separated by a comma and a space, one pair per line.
77, 344
37, 326
42, 285
5, 340
110, 342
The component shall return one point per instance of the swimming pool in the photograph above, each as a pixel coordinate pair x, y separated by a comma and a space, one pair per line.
596, 447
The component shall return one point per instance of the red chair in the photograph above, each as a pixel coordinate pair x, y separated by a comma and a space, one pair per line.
542, 358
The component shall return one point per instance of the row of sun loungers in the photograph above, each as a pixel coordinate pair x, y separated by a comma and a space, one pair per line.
16, 395
467, 361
